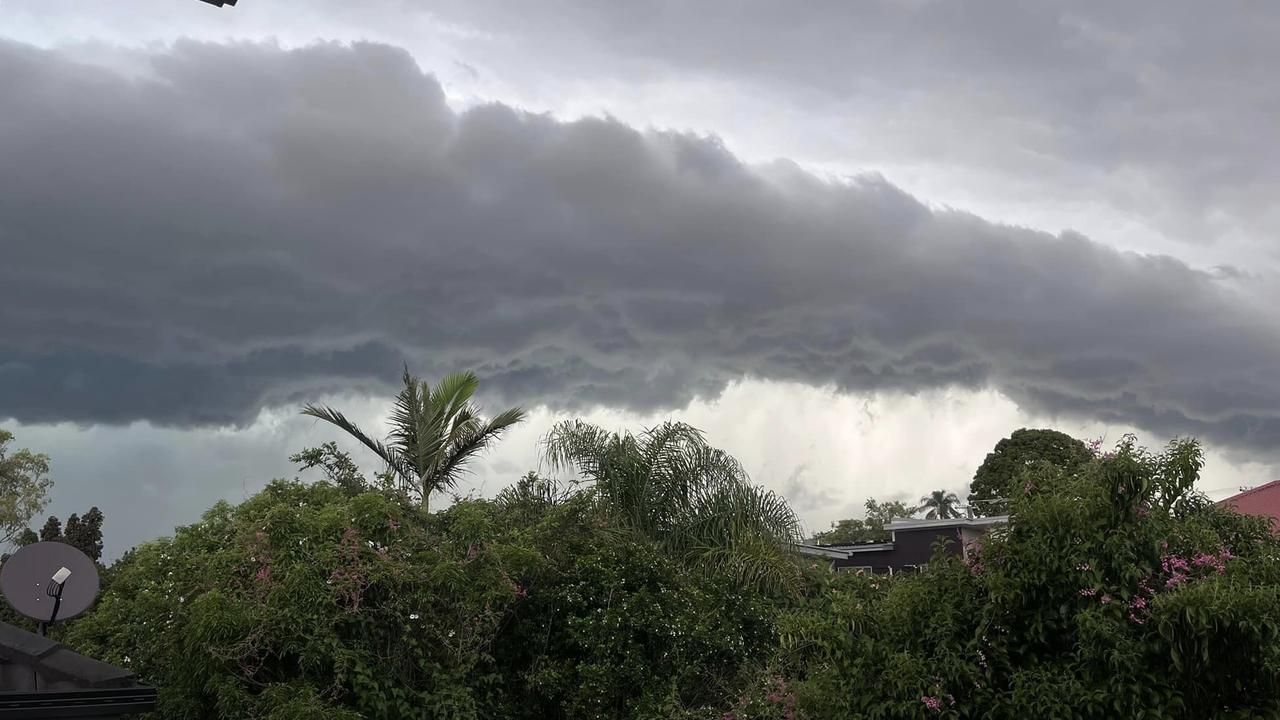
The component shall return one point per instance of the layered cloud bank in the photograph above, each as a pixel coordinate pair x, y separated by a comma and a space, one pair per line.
240, 226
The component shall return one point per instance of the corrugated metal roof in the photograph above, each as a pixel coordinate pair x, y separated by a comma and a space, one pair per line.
1263, 501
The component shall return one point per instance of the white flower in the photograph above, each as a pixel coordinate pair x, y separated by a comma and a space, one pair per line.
182, 598
413, 616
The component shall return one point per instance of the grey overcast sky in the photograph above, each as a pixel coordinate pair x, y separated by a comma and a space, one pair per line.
857, 243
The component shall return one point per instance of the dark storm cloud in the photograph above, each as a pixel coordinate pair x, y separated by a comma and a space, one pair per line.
248, 226
1165, 103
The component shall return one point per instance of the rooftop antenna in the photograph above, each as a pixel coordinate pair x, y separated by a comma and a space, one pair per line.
49, 581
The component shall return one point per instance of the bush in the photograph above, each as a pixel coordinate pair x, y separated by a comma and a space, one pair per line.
1117, 591
304, 597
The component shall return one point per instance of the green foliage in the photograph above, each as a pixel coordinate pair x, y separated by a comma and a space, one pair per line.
435, 432
24, 488
670, 487
1117, 591
337, 466
51, 530
304, 597
620, 630
869, 529
83, 533
306, 601
1002, 473
940, 504
531, 497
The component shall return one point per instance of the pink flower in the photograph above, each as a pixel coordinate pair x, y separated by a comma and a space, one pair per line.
1106, 599
930, 702
1088, 592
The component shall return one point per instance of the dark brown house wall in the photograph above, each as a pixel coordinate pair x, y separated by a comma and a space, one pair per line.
911, 548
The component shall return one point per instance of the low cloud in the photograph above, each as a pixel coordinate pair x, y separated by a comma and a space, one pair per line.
245, 226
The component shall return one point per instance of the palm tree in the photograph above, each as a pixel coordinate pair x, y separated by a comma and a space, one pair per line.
695, 502
940, 504
435, 431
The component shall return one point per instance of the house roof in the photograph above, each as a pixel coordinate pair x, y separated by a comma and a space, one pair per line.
848, 551
40, 678
916, 524
1263, 501
823, 551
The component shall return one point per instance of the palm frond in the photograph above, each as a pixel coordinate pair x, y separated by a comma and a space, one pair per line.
394, 462
405, 415
693, 501
453, 393
433, 431
446, 474
576, 445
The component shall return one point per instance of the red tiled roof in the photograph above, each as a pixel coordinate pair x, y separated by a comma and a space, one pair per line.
1263, 501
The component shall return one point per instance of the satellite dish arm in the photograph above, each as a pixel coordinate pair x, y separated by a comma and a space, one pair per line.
54, 590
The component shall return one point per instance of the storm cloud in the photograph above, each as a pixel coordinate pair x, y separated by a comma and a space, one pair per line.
241, 226
1159, 103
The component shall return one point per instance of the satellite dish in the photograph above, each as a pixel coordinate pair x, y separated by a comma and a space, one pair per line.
49, 581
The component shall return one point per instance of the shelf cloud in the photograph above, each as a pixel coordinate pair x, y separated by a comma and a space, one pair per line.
242, 226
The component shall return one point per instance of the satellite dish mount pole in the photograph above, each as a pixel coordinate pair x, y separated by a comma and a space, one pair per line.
54, 590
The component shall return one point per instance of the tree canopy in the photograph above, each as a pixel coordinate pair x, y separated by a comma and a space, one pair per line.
940, 505
641, 590
83, 533
24, 488
435, 432
694, 501
1117, 591
1001, 475
309, 601
870, 528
